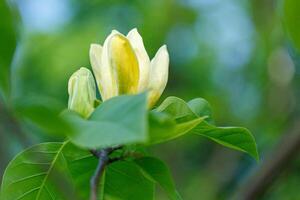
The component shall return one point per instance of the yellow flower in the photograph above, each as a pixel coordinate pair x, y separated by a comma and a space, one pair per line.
122, 66
82, 92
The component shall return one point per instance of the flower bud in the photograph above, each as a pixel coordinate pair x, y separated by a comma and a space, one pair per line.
82, 92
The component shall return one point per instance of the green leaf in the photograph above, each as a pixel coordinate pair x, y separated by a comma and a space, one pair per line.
124, 180
7, 47
44, 113
177, 108
38, 173
237, 138
201, 107
63, 171
120, 120
159, 173
172, 119
291, 19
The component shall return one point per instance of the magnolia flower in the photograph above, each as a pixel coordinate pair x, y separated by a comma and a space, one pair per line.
122, 66
82, 92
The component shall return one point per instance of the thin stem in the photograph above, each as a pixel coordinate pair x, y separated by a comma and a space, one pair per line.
95, 180
103, 160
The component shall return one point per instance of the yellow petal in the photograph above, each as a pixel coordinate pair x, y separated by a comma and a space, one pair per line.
137, 44
124, 64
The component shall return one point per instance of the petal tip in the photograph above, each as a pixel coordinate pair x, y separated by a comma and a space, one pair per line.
164, 47
95, 47
163, 50
133, 33
133, 30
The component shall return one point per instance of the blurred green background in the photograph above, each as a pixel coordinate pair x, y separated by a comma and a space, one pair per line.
240, 55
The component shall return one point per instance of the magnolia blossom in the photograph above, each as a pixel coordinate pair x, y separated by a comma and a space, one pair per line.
122, 66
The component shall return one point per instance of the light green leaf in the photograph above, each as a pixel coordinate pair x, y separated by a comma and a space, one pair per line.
237, 138
172, 119
7, 47
40, 173
159, 173
120, 120
177, 108
201, 107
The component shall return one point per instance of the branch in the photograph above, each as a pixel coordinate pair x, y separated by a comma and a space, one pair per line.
95, 180
103, 157
278, 160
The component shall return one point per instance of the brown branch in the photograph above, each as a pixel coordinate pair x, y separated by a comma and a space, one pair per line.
278, 160
95, 180
104, 160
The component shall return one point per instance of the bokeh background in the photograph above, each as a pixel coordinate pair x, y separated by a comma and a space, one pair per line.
240, 55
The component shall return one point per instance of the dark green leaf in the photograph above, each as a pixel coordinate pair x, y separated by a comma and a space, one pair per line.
159, 173
45, 114
124, 180
120, 120
7, 47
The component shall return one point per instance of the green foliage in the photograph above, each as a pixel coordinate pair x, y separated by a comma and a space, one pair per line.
120, 120
124, 180
180, 118
7, 47
159, 173
173, 118
44, 113
292, 21
237, 138
39, 171
62, 171
236, 75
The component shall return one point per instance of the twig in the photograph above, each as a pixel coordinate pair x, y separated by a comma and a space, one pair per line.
103, 157
278, 160
95, 180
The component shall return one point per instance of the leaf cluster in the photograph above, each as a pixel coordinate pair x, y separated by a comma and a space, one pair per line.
63, 170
